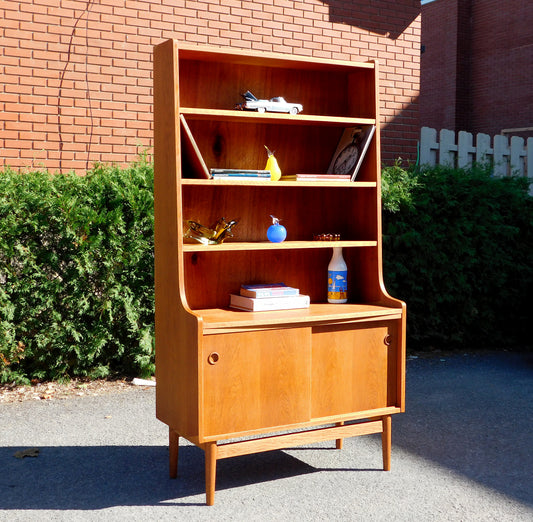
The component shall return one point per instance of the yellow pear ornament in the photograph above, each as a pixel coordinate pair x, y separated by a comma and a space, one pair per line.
272, 165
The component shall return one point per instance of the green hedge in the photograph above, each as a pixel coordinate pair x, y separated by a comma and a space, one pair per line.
458, 248
76, 274
76, 266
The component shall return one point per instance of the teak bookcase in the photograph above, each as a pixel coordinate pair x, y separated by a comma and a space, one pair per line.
258, 378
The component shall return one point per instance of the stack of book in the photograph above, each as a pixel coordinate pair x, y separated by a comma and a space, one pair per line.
240, 174
264, 297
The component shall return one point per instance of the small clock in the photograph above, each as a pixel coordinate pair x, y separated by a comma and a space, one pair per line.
347, 158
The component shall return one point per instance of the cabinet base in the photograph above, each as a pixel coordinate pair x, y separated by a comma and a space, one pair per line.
215, 451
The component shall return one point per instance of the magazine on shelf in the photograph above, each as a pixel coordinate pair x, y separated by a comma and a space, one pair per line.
191, 152
316, 177
195, 166
268, 290
240, 173
264, 304
351, 150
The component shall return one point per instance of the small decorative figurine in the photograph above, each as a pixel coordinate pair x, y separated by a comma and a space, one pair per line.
327, 237
214, 235
272, 166
276, 104
276, 232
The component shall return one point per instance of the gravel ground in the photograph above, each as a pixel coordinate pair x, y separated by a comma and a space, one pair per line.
42, 391
461, 452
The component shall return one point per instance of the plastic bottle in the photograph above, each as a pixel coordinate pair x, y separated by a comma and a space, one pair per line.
337, 278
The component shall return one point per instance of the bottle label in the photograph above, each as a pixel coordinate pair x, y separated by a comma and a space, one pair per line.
337, 284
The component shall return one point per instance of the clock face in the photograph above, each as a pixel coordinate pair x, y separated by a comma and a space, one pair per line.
346, 160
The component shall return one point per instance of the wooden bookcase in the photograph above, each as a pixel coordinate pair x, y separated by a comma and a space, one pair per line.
235, 382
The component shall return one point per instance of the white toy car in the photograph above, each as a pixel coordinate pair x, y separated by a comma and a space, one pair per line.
277, 104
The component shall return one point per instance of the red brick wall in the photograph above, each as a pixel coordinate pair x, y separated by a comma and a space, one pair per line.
502, 61
77, 74
476, 68
438, 64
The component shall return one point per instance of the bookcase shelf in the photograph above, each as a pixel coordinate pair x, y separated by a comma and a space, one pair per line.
219, 320
222, 115
223, 373
280, 185
267, 245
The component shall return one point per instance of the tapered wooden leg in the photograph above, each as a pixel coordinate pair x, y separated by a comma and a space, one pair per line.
210, 472
338, 442
386, 442
173, 447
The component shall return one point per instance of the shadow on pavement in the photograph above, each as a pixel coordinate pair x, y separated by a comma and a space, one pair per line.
474, 415
97, 477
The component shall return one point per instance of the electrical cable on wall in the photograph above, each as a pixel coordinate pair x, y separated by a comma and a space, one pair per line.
85, 13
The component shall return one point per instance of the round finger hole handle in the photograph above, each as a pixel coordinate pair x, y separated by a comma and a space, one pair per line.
213, 358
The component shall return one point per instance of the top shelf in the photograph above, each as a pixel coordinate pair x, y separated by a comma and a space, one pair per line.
334, 93
287, 119
262, 58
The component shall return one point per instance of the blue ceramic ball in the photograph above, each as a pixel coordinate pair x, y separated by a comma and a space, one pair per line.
276, 233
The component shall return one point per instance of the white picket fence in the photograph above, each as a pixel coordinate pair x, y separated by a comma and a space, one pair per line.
507, 155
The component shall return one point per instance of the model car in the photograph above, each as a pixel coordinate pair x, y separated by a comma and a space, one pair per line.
277, 104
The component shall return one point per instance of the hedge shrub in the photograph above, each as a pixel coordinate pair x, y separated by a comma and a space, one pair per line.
76, 274
458, 248
76, 266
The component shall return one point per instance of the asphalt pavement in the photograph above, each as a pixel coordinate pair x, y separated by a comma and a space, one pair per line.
461, 452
